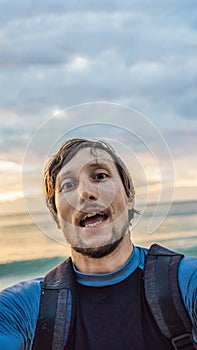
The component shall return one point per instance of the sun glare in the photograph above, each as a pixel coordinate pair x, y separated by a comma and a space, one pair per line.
10, 196
9, 166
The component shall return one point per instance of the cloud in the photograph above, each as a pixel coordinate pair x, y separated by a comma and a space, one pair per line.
55, 32
183, 142
55, 55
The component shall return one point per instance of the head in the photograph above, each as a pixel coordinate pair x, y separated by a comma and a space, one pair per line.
71, 154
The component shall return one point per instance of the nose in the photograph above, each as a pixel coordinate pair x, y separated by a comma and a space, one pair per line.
88, 191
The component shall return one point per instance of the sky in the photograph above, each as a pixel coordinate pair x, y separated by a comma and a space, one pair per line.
129, 65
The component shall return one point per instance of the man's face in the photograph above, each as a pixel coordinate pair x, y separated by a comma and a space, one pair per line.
92, 205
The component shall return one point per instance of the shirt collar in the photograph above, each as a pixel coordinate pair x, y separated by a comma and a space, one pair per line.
107, 279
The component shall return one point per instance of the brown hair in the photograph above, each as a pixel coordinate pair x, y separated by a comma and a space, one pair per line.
66, 153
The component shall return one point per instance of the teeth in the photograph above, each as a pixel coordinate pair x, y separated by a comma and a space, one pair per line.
91, 225
89, 215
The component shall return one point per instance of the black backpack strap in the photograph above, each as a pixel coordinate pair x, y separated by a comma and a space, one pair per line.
57, 309
164, 297
46, 319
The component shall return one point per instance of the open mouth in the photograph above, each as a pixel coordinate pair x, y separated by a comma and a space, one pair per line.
93, 219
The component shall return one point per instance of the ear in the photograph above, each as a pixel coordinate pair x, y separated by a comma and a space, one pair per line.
131, 203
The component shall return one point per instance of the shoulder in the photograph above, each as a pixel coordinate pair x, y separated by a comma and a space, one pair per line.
187, 276
21, 292
187, 270
188, 265
19, 307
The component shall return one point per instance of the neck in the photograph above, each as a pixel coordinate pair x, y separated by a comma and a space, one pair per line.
106, 264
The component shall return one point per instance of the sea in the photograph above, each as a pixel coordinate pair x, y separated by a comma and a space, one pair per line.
26, 252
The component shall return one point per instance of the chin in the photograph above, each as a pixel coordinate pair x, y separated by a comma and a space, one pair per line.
98, 252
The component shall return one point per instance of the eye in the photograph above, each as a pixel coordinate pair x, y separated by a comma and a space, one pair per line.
68, 186
100, 176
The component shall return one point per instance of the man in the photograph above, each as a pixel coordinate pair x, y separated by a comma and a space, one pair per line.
91, 196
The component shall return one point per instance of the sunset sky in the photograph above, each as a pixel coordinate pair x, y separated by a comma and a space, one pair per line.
128, 65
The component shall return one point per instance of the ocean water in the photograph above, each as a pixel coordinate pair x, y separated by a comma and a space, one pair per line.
27, 253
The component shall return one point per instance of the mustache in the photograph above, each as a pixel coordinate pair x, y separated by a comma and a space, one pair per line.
92, 207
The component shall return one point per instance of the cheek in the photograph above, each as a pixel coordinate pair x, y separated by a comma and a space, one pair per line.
66, 199
62, 205
70, 201
107, 193
120, 200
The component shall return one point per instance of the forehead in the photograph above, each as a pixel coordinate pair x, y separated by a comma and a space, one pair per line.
88, 157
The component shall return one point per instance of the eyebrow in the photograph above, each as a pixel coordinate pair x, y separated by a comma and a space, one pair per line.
97, 164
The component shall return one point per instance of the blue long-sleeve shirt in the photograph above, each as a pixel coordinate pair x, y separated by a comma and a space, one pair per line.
19, 304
